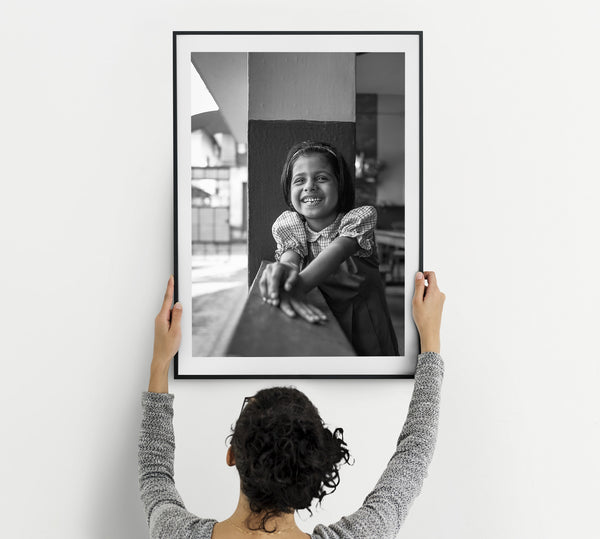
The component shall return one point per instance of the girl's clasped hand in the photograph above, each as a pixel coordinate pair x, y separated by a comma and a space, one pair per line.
279, 286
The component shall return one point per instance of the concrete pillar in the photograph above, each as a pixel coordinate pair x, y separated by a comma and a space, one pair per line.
292, 97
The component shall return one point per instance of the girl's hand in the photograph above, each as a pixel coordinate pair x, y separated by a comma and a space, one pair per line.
294, 303
289, 297
427, 305
275, 277
167, 338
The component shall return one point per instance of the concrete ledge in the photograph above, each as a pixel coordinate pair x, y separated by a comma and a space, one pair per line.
265, 331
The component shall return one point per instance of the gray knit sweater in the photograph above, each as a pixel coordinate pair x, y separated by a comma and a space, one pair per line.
383, 510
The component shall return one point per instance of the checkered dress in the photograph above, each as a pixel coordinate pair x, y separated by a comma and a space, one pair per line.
292, 233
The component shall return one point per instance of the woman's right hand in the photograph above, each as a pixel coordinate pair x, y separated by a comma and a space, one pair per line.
427, 305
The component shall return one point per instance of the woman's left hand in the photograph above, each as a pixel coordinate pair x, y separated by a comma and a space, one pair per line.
167, 338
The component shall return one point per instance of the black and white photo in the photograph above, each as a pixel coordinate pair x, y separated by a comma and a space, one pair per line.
298, 182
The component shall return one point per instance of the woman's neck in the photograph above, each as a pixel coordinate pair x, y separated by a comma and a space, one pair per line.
245, 519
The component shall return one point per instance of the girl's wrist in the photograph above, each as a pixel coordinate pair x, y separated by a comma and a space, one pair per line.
290, 264
301, 284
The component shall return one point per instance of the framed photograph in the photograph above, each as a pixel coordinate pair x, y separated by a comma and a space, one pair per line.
297, 159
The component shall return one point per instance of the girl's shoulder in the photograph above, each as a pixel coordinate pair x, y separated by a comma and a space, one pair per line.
289, 223
288, 219
364, 216
359, 224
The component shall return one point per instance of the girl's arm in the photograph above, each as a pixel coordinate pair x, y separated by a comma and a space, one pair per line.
278, 278
286, 275
355, 237
280, 274
292, 300
291, 257
276, 284
326, 263
290, 237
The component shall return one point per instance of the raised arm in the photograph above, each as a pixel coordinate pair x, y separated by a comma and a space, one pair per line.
164, 508
387, 505
167, 338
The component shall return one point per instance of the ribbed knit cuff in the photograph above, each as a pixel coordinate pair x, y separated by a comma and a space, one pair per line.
431, 359
157, 398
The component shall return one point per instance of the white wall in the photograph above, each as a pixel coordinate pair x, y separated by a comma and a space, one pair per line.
511, 197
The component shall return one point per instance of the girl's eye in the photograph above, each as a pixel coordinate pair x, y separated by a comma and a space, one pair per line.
298, 181
322, 178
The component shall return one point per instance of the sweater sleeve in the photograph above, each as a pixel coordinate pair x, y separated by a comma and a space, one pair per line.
165, 512
387, 505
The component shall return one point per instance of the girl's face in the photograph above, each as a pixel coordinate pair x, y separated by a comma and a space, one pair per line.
314, 190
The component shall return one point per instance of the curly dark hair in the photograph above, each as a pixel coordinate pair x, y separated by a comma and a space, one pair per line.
285, 455
336, 161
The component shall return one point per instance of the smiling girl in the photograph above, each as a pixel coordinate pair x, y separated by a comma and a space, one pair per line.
324, 242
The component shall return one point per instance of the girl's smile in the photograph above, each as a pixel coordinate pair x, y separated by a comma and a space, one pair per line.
314, 190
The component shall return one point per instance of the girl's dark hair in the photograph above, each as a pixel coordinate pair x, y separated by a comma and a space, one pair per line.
284, 454
337, 163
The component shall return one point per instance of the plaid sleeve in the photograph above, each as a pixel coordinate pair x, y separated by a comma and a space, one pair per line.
289, 234
359, 224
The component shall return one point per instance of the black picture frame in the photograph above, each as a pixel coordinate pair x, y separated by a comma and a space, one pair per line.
188, 366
